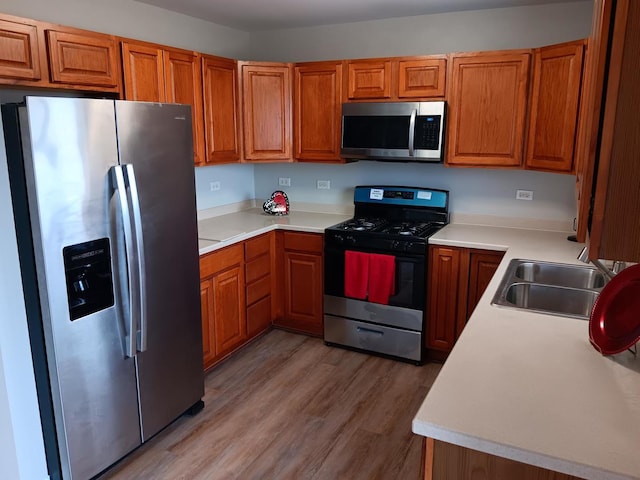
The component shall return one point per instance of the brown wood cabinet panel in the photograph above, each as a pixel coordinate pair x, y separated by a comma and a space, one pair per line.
258, 267
259, 316
553, 117
615, 229
143, 73
258, 289
446, 287
421, 78
83, 59
183, 84
221, 125
303, 242
208, 330
266, 97
19, 51
368, 79
303, 290
487, 108
257, 246
317, 107
482, 267
445, 461
229, 309
222, 259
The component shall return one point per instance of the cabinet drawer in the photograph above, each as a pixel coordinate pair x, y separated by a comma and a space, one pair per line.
305, 242
257, 246
259, 316
257, 268
219, 260
259, 289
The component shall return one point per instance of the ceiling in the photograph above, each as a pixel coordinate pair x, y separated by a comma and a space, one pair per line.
257, 15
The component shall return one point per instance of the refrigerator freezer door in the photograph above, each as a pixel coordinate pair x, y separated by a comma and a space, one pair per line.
156, 141
69, 146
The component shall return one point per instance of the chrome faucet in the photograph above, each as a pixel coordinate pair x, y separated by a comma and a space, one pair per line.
609, 273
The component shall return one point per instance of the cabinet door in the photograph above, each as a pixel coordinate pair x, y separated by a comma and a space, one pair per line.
317, 108
19, 52
369, 79
487, 108
229, 309
183, 84
421, 78
482, 266
143, 73
266, 93
553, 117
303, 290
446, 296
208, 327
83, 59
221, 125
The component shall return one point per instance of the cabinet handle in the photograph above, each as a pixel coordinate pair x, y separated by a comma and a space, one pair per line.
368, 330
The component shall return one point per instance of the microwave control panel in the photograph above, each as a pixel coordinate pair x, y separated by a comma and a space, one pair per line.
427, 132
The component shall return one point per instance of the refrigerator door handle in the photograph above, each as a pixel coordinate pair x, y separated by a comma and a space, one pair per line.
118, 181
139, 240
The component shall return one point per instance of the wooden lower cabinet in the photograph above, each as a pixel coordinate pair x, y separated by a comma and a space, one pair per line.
260, 276
445, 461
302, 282
222, 296
457, 279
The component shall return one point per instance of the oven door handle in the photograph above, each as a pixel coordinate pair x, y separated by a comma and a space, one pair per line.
369, 330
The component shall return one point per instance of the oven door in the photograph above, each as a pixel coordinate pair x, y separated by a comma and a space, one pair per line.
410, 277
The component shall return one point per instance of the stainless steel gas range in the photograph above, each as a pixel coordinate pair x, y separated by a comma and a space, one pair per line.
375, 268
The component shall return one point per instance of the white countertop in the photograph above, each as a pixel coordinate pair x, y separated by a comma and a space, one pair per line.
221, 231
529, 386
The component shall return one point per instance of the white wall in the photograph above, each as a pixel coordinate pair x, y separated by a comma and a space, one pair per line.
473, 191
236, 185
21, 444
502, 28
135, 20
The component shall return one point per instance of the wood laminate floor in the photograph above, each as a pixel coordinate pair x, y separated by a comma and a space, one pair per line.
289, 407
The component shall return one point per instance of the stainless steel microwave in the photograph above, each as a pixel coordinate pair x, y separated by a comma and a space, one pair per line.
399, 131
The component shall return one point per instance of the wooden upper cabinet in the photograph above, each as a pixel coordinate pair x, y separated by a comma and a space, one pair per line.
19, 51
83, 59
183, 84
368, 79
143, 72
266, 109
220, 95
487, 96
317, 109
421, 78
553, 117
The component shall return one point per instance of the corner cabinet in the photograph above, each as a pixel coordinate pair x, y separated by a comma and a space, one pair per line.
610, 146
300, 271
553, 117
266, 111
487, 95
457, 279
317, 109
222, 127
156, 74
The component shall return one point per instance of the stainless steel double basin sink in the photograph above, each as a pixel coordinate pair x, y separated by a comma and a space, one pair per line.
552, 288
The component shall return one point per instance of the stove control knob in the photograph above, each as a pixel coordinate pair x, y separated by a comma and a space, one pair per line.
350, 239
338, 238
395, 245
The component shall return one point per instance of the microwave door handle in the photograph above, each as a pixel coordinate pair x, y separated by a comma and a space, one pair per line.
117, 177
412, 130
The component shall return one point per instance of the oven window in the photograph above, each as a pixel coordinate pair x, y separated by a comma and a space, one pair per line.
409, 278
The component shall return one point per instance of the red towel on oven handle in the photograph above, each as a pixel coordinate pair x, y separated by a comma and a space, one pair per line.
382, 277
356, 274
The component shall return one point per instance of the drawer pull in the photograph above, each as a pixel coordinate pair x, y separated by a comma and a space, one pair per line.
368, 330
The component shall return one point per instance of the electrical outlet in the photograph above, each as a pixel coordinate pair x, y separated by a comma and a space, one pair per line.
284, 182
215, 186
524, 194
323, 185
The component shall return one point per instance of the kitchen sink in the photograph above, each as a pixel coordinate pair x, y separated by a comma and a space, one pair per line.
563, 275
551, 288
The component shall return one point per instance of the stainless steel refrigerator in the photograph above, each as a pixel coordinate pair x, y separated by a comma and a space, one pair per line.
104, 204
